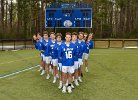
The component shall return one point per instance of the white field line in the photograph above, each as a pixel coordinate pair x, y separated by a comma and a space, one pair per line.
17, 60
7, 75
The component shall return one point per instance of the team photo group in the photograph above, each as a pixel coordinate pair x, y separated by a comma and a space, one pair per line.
62, 60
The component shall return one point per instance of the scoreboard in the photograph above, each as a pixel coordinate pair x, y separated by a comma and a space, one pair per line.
68, 15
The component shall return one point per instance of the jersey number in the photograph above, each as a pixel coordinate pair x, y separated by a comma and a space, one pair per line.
68, 54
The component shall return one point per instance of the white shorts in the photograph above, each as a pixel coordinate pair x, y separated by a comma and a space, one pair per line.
80, 62
47, 59
55, 62
76, 65
67, 69
60, 66
86, 55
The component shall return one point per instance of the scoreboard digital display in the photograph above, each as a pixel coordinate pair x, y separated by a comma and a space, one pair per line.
68, 16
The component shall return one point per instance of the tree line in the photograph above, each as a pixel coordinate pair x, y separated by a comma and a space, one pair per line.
19, 19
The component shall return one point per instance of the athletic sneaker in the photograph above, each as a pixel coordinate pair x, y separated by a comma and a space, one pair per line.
76, 82
86, 69
43, 72
48, 76
54, 81
80, 80
64, 89
69, 89
60, 85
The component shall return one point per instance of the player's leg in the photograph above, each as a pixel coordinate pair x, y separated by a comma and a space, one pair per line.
60, 75
42, 63
55, 64
64, 78
70, 72
86, 62
76, 66
47, 63
80, 70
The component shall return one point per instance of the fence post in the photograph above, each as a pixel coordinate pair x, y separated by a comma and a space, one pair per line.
94, 43
137, 44
108, 43
2, 44
14, 44
25, 43
123, 42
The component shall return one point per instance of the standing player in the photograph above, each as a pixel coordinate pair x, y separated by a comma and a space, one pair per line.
76, 62
37, 39
54, 55
59, 42
89, 45
46, 53
66, 54
82, 48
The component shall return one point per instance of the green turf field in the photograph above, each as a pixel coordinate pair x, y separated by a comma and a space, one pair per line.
113, 75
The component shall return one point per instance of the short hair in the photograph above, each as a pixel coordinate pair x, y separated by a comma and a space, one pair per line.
45, 32
58, 34
68, 33
52, 33
81, 33
74, 33
85, 33
39, 34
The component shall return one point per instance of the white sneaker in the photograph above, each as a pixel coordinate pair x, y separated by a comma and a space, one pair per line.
54, 81
76, 83
86, 69
72, 86
60, 85
80, 80
64, 89
69, 89
41, 68
43, 72
48, 76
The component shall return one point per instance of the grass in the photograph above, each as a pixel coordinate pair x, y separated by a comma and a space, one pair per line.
113, 75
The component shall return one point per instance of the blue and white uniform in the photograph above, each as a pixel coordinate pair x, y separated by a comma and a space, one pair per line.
76, 62
59, 60
66, 54
46, 48
54, 52
82, 49
39, 46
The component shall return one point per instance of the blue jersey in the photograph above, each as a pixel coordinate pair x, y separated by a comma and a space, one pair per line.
91, 44
67, 54
39, 45
82, 48
86, 47
77, 51
58, 49
53, 49
46, 47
